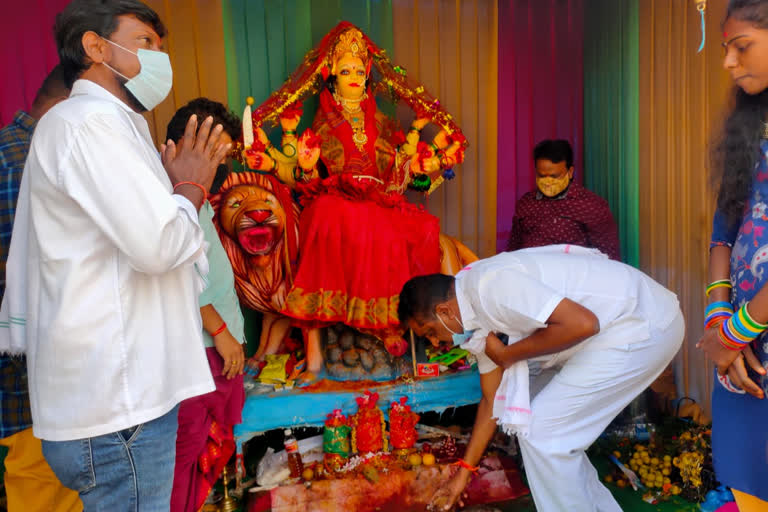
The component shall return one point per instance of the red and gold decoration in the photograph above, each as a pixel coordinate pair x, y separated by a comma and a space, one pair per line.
360, 239
369, 430
402, 425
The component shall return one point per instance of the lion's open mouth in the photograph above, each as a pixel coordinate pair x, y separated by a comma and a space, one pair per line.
258, 240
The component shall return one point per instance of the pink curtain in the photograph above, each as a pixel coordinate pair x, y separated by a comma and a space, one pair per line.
541, 92
27, 52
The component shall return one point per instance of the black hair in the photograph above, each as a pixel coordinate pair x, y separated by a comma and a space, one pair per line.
99, 16
421, 295
555, 151
203, 107
53, 86
737, 149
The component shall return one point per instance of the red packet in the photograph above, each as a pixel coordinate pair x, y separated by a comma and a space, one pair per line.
427, 370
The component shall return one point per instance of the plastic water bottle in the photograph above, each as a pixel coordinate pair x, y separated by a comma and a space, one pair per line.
294, 457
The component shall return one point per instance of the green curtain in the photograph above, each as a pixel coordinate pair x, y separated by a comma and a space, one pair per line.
611, 123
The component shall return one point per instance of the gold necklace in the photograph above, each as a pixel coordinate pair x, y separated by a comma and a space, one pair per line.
345, 102
357, 121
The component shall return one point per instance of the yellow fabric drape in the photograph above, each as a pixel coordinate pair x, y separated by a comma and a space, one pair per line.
451, 47
682, 97
195, 43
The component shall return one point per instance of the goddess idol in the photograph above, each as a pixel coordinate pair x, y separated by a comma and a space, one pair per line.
360, 239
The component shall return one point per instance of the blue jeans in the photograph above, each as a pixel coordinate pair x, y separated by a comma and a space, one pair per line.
126, 471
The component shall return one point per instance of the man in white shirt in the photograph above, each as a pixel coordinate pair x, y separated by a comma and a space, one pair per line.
610, 328
106, 263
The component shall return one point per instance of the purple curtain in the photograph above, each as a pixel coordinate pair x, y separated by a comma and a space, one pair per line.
27, 52
541, 83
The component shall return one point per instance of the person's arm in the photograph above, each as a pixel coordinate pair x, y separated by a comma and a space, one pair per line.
483, 431
569, 324
515, 235
602, 232
107, 173
730, 362
230, 349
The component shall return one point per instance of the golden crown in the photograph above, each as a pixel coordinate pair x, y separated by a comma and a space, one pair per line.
350, 41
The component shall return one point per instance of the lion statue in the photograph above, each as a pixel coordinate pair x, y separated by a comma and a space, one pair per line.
257, 221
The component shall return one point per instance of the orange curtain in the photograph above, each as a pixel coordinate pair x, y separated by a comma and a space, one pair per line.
195, 44
450, 46
682, 97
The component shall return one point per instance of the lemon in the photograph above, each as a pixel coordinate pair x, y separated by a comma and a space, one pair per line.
428, 459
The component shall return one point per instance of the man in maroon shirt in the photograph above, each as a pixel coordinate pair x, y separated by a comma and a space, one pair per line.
561, 211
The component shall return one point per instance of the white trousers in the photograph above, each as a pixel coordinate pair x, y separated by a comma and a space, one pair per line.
574, 408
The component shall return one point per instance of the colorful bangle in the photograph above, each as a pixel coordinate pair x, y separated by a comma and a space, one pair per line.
726, 342
466, 465
202, 188
289, 132
274, 165
434, 147
219, 330
752, 322
722, 283
740, 329
414, 129
716, 312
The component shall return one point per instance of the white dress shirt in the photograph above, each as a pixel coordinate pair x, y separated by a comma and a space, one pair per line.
516, 292
112, 326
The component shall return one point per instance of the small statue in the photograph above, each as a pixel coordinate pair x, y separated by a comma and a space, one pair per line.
402, 425
257, 221
369, 428
336, 441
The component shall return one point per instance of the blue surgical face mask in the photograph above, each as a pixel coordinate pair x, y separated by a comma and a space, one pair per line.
458, 338
155, 79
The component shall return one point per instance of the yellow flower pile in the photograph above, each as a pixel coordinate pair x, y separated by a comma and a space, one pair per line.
653, 471
690, 465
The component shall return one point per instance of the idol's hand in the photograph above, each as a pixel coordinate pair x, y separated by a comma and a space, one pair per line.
431, 165
289, 123
258, 161
262, 137
308, 150
419, 124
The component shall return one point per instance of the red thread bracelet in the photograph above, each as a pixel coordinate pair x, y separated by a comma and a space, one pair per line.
466, 465
219, 330
202, 188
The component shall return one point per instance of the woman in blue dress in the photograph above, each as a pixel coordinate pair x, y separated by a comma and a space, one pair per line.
737, 314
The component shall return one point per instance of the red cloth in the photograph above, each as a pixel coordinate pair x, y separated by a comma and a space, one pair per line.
578, 217
205, 429
28, 52
359, 245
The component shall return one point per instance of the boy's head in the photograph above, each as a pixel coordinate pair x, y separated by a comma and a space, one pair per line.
428, 307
